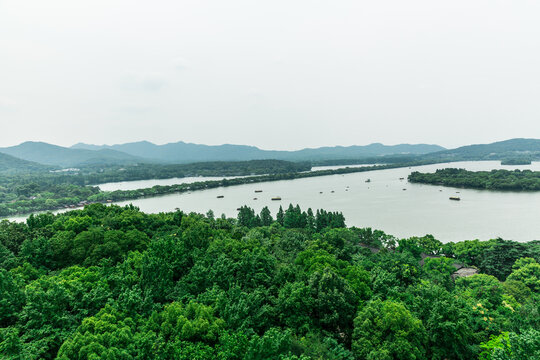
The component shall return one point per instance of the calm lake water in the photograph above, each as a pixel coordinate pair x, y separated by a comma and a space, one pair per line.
382, 203
141, 184
316, 168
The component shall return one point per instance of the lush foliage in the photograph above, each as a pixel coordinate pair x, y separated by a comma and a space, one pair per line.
109, 282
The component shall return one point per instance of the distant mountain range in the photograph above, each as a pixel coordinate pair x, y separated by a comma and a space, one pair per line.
181, 152
48, 154
33, 155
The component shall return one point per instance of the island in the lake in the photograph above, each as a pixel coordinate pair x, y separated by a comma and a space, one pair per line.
516, 162
516, 180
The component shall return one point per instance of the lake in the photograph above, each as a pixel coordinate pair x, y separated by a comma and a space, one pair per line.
386, 202
141, 184
383, 203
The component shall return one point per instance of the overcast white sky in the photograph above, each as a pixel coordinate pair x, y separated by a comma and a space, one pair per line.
276, 74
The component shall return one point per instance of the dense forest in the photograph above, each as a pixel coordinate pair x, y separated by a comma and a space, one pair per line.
109, 282
517, 180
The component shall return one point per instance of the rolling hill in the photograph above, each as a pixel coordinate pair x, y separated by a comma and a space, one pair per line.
513, 148
48, 154
29, 155
11, 164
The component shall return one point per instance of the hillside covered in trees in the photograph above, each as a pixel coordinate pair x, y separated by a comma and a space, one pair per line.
13, 165
517, 180
501, 150
109, 282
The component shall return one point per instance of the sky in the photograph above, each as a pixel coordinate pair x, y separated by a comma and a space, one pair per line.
275, 74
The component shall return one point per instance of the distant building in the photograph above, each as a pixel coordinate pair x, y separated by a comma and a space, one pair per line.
465, 272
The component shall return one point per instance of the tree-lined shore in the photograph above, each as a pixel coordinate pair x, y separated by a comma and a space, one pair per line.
516, 180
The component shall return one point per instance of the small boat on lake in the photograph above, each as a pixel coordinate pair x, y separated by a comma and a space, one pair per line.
456, 198
254, 198
220, 196
401, 178
368, 180
258, 190
276, 198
